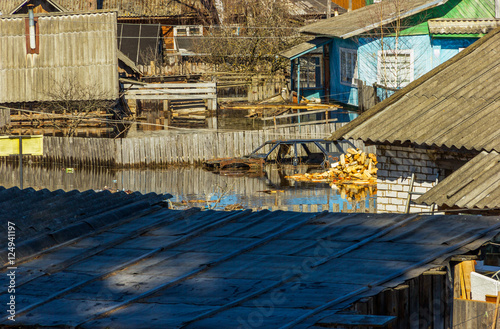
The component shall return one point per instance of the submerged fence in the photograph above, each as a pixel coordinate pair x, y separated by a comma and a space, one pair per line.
174, 148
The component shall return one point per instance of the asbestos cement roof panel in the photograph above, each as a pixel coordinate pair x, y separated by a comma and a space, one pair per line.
475, 185
304, 47
77, 56
367, 18
214, 268
462, 26
454, 105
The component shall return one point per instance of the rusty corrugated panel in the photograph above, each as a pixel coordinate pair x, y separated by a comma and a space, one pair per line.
74, 48
455, 105
475, 185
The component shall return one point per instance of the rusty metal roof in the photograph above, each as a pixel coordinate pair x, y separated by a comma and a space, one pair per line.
204, 269
454, 105
462, 26
77, 50
475, 185
367, 18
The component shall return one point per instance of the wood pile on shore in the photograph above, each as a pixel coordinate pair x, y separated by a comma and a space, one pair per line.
354, 167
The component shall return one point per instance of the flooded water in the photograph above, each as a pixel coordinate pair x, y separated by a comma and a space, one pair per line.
194, 186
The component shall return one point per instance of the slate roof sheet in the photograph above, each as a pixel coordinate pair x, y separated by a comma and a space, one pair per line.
126, 8
74, 49
367, 18
46, 218
304, 47
207, 269
462, 26
475, 185
454, 105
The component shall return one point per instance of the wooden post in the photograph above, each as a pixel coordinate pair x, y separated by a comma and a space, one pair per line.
495, 317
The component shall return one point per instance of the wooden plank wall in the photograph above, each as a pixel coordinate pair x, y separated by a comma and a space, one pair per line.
422, 302
4, 117
175, 148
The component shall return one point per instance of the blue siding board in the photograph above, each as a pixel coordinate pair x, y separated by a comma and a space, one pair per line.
427, 54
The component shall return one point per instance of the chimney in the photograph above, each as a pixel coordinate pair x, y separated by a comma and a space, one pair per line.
336, 11
92, 5
31, 18
328, 8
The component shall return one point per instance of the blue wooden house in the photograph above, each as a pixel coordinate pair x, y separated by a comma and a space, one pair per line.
384, 46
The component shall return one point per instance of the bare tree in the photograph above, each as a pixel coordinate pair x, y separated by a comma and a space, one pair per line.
75, 104
393, 61
251, 39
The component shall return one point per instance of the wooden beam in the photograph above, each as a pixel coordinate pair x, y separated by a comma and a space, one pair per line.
356, 320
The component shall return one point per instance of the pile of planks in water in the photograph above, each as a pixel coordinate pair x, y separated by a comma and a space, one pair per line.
355, 167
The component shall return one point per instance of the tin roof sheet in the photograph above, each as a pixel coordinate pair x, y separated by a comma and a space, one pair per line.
475, 185
453, 105
212, 268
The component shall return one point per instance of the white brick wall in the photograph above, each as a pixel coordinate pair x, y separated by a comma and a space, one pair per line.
396, 165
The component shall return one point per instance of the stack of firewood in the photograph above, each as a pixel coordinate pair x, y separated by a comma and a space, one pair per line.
355, 166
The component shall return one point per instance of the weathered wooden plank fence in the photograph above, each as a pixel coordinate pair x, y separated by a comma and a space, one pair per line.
176, 148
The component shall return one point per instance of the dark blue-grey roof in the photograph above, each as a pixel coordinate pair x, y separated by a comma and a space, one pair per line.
47, 218
207, 269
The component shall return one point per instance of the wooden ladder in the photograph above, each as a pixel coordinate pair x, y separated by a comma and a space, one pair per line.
411, 193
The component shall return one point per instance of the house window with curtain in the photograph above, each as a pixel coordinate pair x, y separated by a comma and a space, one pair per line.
348, 66
395, 68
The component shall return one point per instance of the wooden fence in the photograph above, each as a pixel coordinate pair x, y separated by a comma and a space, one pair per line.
174, 148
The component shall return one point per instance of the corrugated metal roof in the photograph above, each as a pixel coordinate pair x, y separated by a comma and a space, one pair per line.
462, 26
206, 269
126, 8
304, 47
454, 105
78, 49
367, 18
475, 185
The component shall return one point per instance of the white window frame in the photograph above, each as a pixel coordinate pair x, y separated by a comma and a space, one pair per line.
188, 30
349, 52
394, 53
304, 78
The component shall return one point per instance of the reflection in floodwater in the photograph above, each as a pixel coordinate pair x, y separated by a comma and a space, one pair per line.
193, 186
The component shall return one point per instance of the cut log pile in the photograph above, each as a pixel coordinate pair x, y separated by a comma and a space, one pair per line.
354, 167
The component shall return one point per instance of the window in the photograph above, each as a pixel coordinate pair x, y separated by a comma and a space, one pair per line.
348, 66
310, 72
187, 30
395, 68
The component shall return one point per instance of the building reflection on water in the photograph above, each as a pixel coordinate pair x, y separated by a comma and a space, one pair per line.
193, 186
